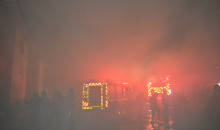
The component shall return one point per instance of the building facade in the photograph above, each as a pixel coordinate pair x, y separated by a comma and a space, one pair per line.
21, 68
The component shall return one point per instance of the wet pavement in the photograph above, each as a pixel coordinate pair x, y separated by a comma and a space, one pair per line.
183, 119
143, 122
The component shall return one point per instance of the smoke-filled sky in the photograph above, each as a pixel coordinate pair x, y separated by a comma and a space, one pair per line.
128, 40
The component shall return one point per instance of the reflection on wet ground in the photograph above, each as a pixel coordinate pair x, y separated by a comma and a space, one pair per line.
158, 124
143, 123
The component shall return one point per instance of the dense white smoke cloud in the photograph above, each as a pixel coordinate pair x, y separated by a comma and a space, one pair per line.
128, 40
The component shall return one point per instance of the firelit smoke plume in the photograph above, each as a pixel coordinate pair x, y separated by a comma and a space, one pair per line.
128, 40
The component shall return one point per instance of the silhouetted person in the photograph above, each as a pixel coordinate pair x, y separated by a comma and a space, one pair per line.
180, 102
154, 105
35, 110
213, 108
44, 111
140, 107
70, 109
57, 110
165, 103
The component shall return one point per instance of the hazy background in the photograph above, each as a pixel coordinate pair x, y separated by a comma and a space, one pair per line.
126, 40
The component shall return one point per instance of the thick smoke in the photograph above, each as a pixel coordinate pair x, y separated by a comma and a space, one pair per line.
127, 40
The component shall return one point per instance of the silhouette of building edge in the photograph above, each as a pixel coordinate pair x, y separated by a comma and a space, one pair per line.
21, 64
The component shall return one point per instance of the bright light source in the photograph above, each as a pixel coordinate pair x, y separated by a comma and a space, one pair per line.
169, 91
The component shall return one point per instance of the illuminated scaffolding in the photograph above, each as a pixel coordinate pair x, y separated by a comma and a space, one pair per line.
90, 94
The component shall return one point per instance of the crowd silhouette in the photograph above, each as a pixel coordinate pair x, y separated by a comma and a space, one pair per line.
59, 112
199, 110
41, 112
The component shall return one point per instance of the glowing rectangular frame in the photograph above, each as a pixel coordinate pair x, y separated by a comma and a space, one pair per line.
85, 93
158, 89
